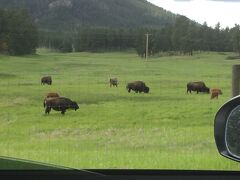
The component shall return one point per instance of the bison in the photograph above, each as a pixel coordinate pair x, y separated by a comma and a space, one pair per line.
198, 86
60, 104
137, 86
113, 82
215, 92
46, 80
49, 95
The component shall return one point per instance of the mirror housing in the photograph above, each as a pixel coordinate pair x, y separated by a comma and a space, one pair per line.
221, 127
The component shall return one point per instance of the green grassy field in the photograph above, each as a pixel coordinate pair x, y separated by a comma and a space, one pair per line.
165, 129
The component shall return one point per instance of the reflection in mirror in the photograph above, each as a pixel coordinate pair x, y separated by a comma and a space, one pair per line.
232, 135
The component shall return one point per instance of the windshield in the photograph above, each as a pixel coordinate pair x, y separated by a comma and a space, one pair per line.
115, 84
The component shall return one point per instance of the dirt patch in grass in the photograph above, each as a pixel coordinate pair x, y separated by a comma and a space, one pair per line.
6, 76
7, 102
20, 100
233, 57
82, 65
25, 84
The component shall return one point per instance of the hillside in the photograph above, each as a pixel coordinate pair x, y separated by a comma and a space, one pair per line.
64, 14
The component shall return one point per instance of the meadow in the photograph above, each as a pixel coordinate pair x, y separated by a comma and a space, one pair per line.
165, 129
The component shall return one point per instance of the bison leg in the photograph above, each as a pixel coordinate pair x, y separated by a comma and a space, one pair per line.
63, 111
129, 90
213, 97
47, 110
188, 90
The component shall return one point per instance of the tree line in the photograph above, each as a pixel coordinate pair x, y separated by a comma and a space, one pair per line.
186, 36
91, 39
18, 33
182, 37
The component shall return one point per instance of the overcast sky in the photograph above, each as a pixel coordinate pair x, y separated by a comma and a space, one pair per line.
227, 12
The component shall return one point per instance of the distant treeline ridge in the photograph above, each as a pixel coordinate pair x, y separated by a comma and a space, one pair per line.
183, 37
19, 35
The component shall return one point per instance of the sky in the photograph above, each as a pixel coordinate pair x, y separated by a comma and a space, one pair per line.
227, 12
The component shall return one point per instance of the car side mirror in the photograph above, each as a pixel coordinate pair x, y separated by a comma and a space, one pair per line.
227, 129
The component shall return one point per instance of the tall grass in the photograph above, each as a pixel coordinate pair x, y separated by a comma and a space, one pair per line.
165, 129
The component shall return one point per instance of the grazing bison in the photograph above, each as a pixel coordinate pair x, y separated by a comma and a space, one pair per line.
198, 86
215, 92
137, 86
113, 82
49, 95
60, 104
46, 80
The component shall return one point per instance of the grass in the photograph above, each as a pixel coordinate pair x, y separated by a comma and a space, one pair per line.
165, 129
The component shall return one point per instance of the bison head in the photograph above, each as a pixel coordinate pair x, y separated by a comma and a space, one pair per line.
146, 89
206, 90
74, 105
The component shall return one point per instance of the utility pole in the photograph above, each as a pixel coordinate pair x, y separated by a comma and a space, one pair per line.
74, 34
147, 38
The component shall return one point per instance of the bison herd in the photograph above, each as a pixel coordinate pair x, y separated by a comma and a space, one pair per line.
200, 86
54, 101
136, 86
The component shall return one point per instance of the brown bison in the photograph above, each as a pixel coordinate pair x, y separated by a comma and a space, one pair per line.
46, 80
215, 92
137, 86
113, 82
49, 95
198, 86
60, 104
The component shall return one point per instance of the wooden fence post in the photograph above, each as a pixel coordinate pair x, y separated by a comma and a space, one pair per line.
235, 80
